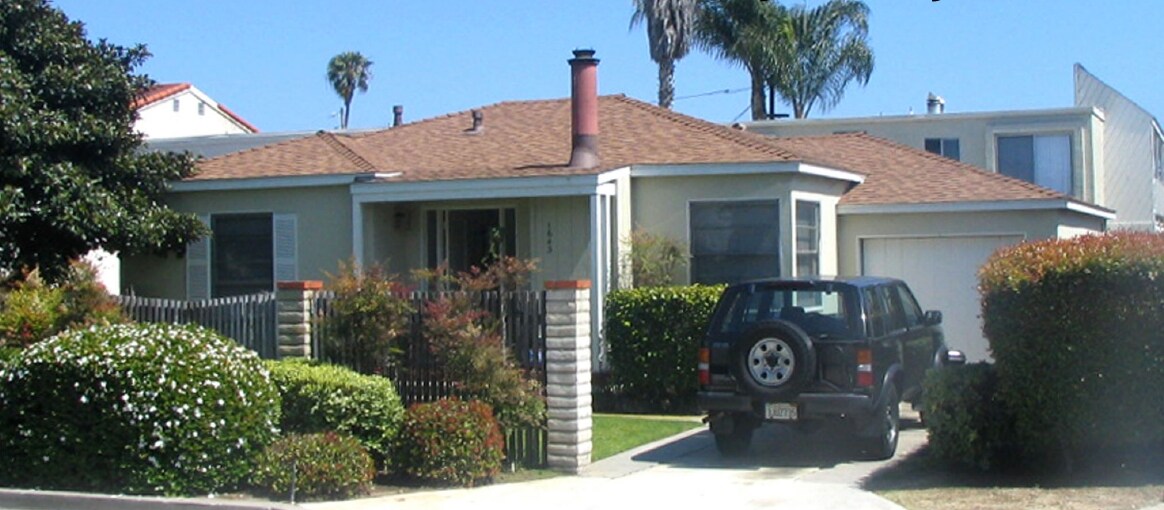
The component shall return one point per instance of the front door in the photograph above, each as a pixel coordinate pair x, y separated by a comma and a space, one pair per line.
470, 237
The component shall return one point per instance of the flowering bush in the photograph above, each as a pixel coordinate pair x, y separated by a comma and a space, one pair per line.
319, 466
146, 408
32, 310
451, 441
318, 398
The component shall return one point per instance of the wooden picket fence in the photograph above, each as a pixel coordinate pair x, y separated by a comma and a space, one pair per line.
250, 320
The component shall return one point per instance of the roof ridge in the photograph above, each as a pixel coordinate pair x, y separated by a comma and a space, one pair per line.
750, 140
340, 147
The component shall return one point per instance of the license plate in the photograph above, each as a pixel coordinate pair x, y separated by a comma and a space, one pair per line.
780, 411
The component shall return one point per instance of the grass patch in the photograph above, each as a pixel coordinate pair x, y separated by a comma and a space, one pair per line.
617, 433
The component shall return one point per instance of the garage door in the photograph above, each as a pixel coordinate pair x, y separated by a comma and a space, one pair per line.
943, 273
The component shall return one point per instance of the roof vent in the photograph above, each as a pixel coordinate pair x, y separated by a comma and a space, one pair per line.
935, 104
478, 122
397, 115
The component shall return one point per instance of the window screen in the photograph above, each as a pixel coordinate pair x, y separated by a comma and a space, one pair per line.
734, 241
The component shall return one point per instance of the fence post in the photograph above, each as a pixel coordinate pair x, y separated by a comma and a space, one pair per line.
294, 317
568, 374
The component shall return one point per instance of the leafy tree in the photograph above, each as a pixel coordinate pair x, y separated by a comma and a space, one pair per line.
817, 52
670, 28
348, 72
71, 176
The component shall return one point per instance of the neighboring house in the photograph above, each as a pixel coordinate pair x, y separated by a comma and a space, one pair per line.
539, 179
1105, 150
171, 110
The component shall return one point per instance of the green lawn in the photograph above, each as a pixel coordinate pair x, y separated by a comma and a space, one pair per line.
616, 433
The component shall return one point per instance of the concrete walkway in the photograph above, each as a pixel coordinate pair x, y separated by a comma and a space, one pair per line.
783, 470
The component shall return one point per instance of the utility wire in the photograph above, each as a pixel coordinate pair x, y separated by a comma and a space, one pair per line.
714, 92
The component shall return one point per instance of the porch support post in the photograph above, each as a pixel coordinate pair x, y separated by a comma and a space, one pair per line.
598, 276
568, 374
358, 232
294, 317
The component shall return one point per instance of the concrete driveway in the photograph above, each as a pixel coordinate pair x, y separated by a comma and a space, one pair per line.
783, 470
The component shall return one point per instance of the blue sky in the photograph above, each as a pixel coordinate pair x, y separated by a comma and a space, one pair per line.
265, 59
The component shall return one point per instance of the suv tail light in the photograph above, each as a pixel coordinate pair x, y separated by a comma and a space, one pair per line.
865, 368
704, 366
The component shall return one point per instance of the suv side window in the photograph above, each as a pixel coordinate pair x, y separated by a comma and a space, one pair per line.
874, 311
913, 313
894, 316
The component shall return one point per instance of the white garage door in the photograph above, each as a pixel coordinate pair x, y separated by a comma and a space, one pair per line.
943, 273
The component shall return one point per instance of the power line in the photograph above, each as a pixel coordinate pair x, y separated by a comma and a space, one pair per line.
714, 92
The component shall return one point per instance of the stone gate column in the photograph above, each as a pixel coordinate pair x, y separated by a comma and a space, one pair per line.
293, 316
568, 374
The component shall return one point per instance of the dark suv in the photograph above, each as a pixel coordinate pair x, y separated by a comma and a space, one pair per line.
806, 351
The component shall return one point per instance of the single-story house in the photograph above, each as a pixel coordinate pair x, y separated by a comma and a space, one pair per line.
565, 181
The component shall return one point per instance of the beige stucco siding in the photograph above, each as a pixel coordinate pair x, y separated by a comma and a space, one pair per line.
661, 206
323, 234
559, 234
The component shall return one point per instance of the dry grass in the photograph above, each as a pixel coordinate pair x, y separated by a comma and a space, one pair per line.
919, 482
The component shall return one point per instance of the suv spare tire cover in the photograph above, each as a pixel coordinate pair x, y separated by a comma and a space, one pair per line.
774, 359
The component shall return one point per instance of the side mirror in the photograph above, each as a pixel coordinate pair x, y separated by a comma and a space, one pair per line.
955, 358
933, 317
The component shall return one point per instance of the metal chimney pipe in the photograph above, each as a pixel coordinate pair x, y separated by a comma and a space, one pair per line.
935, 104
584, 109
397, 115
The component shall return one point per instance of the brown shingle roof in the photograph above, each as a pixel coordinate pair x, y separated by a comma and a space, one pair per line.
532, 138
898, 174
520, 138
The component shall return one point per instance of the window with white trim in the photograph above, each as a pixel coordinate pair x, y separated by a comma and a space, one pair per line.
247, 253
1042, 159
807, 238
732, 241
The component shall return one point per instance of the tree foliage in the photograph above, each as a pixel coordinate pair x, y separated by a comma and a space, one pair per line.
348, 72
670, 29
71, 176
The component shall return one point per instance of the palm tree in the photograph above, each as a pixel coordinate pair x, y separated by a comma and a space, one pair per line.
670, 26
348, 72
817, 52
741, 31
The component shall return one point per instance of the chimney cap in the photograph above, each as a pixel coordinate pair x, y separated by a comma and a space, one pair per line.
584, 55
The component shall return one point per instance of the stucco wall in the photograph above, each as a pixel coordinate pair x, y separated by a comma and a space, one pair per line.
323, 237
159, 120
559, 234
661, 206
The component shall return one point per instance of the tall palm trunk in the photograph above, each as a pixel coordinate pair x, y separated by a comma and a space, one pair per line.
759, 112
666, 83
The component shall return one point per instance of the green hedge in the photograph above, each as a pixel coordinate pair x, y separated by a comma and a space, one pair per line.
320, 398
654, 334
1075, 329
136, 408
966, 422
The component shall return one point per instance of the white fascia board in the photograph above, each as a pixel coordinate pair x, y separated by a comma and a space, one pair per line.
613, 175
760, 125
980, 206
780, 167
307, 181
472, 189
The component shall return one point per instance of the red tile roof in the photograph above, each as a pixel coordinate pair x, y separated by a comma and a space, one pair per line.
230, 113
157, 93
532, 138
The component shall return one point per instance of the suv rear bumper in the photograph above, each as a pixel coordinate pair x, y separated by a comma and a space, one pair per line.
810, 405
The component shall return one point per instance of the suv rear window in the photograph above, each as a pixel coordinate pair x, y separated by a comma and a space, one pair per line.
820, 310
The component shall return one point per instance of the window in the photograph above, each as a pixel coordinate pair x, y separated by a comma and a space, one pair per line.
241, 260
807, 238
913, 313
177, 105
734, 241
948, 147
201, 108
1042, 159
1158, 154
247, 253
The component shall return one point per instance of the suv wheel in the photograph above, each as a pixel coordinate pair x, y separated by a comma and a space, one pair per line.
885, 428
774, 359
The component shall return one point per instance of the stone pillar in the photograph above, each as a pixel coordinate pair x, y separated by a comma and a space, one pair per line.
568, 374
294, 317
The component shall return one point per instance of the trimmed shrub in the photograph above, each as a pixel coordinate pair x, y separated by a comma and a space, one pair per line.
1074, 326
319, 466
966, 422
451, 441
654, 335
135, 408
319, 398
